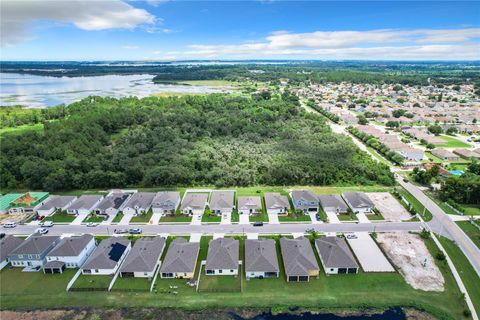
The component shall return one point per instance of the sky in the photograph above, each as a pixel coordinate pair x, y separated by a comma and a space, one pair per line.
236, 30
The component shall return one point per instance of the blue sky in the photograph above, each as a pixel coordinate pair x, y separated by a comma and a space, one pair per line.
178, 30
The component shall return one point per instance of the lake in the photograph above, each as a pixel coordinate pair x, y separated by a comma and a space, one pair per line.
42, 91
390, 314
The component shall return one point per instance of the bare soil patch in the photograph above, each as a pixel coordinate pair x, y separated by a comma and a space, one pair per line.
389, 207
410, 255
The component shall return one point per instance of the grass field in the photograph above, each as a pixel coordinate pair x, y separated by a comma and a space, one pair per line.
472, 231
212, 83
92, 282
347, 217
60, 217
467, 273
421, 210
259, 217
176, 218
131, 284
451, 142
118, 217
20, 129
142, 218
212, 218
36, 290
294, 217
93, 218
471, 209
374, 217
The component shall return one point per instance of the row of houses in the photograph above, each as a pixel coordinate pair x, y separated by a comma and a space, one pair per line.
455, 155
116, 255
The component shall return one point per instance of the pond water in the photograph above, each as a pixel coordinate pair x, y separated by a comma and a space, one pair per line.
391, 314
42, 91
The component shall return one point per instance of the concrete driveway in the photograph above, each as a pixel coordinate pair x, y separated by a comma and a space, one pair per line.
332, 217
126, 219
78, 220
273, 218
362, 217
244, 219
155, 218
313, 217
196, 220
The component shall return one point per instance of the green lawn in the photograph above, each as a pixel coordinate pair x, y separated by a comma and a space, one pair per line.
472, 231
20, 285
142, 218
219, 283
212, 218
93, 218
433, 158
426, 215
118, 217
294, 217
374, 217
467, 273
131, 284
20, 129
92, 282
259, 217
235, 216
347, 217
176, 218
60, 217
471, 209
451, 142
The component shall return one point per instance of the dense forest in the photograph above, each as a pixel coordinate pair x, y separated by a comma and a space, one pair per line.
220, 140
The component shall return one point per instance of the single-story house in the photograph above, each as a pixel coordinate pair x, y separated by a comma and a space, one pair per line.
222, 201
249, 205
333, 203
84, 204
304, 200
335, 255
445, 154
7, 245
466, 154
166, 202
28, 202
180, 260
71, 252
261, 258
144, 258
194, 203
412, 154
276, 203
107, 257
139, 203
112, 204
222, 257
55, 203
359, 202
6, 200
298, 259
32, 251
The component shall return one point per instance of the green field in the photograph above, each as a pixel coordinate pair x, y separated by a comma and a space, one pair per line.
36, 290
131, 284
176, 218
211, 218
294, 217
93, 218
421, 210
472, 231
451, 142
4, 132
92, 282
60, 217
118, 217
142, 218
374, 217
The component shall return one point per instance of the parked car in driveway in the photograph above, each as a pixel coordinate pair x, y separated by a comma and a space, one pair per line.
317, 216
135, 231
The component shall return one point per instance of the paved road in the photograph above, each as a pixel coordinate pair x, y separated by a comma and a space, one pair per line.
227, 229
443, 225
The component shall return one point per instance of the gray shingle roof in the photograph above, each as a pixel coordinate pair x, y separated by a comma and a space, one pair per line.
222, 200
358, 199
305, 195
35, 245
106, 254
335, 253
333, 200
85, 202
275, 200
54, 264
144, 255
260, 256
181, 256
114, 200
194, 200
7, 245
298, 256
140, 200
56, 202
222, 254
71, 246
245, 203
166, 200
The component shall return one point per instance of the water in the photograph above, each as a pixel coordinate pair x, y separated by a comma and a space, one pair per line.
391, 314
456, 172
42, 91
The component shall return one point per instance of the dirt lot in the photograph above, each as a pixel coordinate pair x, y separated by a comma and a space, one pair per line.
389, 207
18, 217
409, 254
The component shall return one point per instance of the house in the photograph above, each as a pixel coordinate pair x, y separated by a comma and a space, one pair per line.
85, 204
466, 154
222, 201
222, 257
445, 154
261, 259
409, 153
194, 203
276, 203
112, 204
298, 259
71, 252
333, 203
55, 203
144, 258
28, 202
107, 257
335, 255
304, 200
249, 205
6, 200
139, 203
358, 202
7, 245
180, 260
166, 202
32, 252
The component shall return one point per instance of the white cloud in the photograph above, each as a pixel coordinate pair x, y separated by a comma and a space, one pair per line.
422, 44
17, 15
